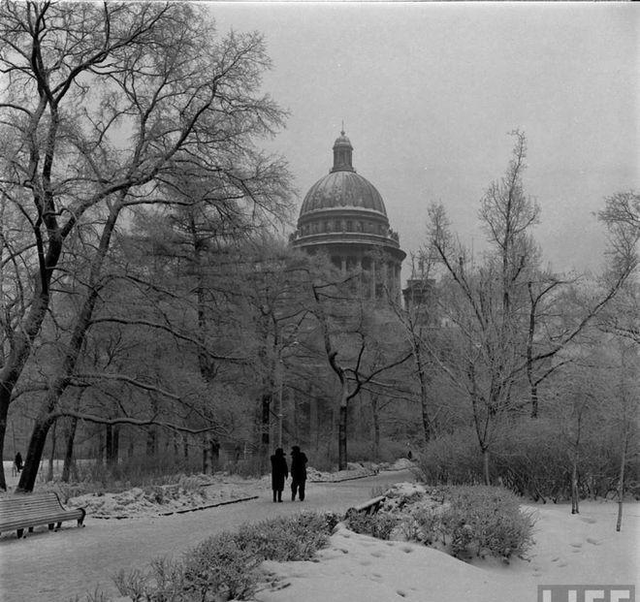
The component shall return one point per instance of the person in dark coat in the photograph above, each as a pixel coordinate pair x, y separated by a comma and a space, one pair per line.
279, 473
18, 461
298, 473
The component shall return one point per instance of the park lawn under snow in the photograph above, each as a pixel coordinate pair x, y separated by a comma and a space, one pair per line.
189, 493
195, 492
568, 549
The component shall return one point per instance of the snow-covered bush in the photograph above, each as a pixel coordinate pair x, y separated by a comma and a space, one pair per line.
226, 566
478, 520
286, 539
379, 525
462, 521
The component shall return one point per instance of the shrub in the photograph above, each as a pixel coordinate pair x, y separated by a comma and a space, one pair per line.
226, 566
423, 526
452, 460
484, 520
378, 525
463, 520
219, 565
287, 538
531, 458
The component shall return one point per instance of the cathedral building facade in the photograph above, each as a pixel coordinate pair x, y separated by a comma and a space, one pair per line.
344, 216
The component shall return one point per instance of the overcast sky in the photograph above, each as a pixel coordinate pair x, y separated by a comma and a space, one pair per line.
428, 93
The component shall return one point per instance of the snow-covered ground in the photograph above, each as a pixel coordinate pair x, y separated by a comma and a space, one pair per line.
188, 492
578, 549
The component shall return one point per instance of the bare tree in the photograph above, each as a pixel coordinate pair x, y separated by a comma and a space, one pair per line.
485, 302
419, 321
348, 336
621, 215
509, 320
106, 102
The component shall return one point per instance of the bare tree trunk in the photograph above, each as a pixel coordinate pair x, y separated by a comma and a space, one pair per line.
58, 387
376, 427
210, 453
112, 444
4, 411
34, 453
10, 372
623, 460
116, 445
422, 380
108, 444
342, 428
486, 466
205, 459
533, 387
152, 442
69, 462
534, 400
264, 430
214, 446
314, 431
342, 438
52, 455
575, 504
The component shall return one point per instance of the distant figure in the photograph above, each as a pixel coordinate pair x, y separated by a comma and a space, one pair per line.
409, 455
298, 473
279, 473
18, 462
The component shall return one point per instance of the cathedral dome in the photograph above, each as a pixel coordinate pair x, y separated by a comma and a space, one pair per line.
344, 215
342, 189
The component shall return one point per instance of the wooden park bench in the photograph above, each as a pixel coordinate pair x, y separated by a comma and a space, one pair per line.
370, 507
20, 512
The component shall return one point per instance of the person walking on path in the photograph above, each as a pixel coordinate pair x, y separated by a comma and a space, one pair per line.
18, 462
279, 473
298, 473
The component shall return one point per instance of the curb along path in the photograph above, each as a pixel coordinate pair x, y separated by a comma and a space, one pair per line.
183, 511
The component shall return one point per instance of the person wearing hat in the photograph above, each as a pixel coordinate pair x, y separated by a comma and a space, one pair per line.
298, 473
279, 473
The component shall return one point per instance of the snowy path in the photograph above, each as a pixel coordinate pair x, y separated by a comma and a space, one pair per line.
55, 567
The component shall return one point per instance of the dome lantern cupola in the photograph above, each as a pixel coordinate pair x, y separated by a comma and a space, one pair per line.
343, 215
342, 154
